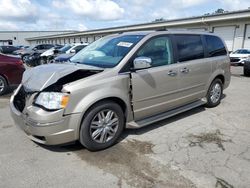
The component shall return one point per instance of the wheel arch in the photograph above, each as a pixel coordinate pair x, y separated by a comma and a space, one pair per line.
217, 74
5, 77
120, 101
221, 77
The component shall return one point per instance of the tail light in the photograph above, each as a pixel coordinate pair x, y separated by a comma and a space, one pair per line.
19, 62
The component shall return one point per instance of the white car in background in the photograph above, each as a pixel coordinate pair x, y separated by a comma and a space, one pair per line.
67, 50
76, 47
239, 56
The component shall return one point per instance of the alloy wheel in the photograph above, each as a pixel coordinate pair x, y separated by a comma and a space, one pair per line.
215, 93
104, 126
2, 85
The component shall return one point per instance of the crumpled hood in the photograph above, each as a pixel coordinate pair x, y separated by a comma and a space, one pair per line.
40, 77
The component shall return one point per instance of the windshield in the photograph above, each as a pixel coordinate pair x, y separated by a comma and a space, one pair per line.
243, 51
107, 52
65, 48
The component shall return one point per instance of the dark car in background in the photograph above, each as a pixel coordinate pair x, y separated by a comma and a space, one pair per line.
8, 49
38, 48
11, 71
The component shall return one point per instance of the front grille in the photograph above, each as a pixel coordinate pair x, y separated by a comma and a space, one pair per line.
234, 59
20, 99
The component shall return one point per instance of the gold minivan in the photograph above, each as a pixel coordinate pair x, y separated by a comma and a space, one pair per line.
126, 80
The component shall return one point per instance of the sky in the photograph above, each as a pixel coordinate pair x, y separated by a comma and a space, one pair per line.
94, 14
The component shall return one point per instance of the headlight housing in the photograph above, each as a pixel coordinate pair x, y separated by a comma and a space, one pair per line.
52, 100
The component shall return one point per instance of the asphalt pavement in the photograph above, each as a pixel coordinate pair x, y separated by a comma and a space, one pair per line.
199, 148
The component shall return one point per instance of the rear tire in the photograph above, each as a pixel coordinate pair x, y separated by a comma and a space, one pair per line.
3, 85
246, 71
214, 93
102, 126
25, 58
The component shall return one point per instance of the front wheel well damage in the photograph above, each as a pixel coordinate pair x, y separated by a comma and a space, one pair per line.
117, 100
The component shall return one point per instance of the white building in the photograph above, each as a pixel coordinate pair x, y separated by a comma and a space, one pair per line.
18, 37
233, 27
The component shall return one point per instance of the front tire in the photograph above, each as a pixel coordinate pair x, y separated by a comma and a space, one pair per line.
214, 93
102, 126
3, 85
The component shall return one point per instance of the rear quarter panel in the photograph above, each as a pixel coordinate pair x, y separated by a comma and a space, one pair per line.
220, 66
10, 70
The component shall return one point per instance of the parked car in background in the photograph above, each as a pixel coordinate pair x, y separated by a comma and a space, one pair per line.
49, 54
124, 80
38, 48
246, 68
11, 71
8, 49
20, 50
239, 56
63, 57
76, 47
33, 59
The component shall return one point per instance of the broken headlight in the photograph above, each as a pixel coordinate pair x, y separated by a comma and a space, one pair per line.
52, 100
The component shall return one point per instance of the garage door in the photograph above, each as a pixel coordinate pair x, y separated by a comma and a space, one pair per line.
227, 34
197, 29
90, 39
247, 37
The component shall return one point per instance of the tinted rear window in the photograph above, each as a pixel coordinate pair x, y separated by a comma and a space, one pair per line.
189, 47
215, 46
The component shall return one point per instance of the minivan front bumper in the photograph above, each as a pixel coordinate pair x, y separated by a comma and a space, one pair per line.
59, 131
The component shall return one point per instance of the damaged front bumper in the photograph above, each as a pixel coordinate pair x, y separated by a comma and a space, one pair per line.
46, 127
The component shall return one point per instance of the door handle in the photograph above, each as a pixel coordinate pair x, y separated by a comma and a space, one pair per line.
172, 73
185, 70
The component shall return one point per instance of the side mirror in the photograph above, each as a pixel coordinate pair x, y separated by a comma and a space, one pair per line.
142, 63
72, 51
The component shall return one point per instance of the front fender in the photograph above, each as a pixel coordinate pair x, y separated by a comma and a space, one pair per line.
98, 95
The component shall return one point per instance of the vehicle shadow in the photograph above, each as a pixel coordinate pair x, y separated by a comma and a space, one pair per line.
8, 92
164, 122
72, 147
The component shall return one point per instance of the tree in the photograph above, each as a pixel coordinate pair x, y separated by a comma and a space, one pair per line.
159, 20
219, 11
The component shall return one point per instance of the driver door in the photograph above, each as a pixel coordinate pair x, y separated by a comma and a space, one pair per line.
155, 89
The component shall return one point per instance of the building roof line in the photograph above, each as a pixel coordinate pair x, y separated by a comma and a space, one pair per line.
174, 22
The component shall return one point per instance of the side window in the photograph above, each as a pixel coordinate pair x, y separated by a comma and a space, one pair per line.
48, 46
159, 50
189, 47
215, 46
38, 47
78, 48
